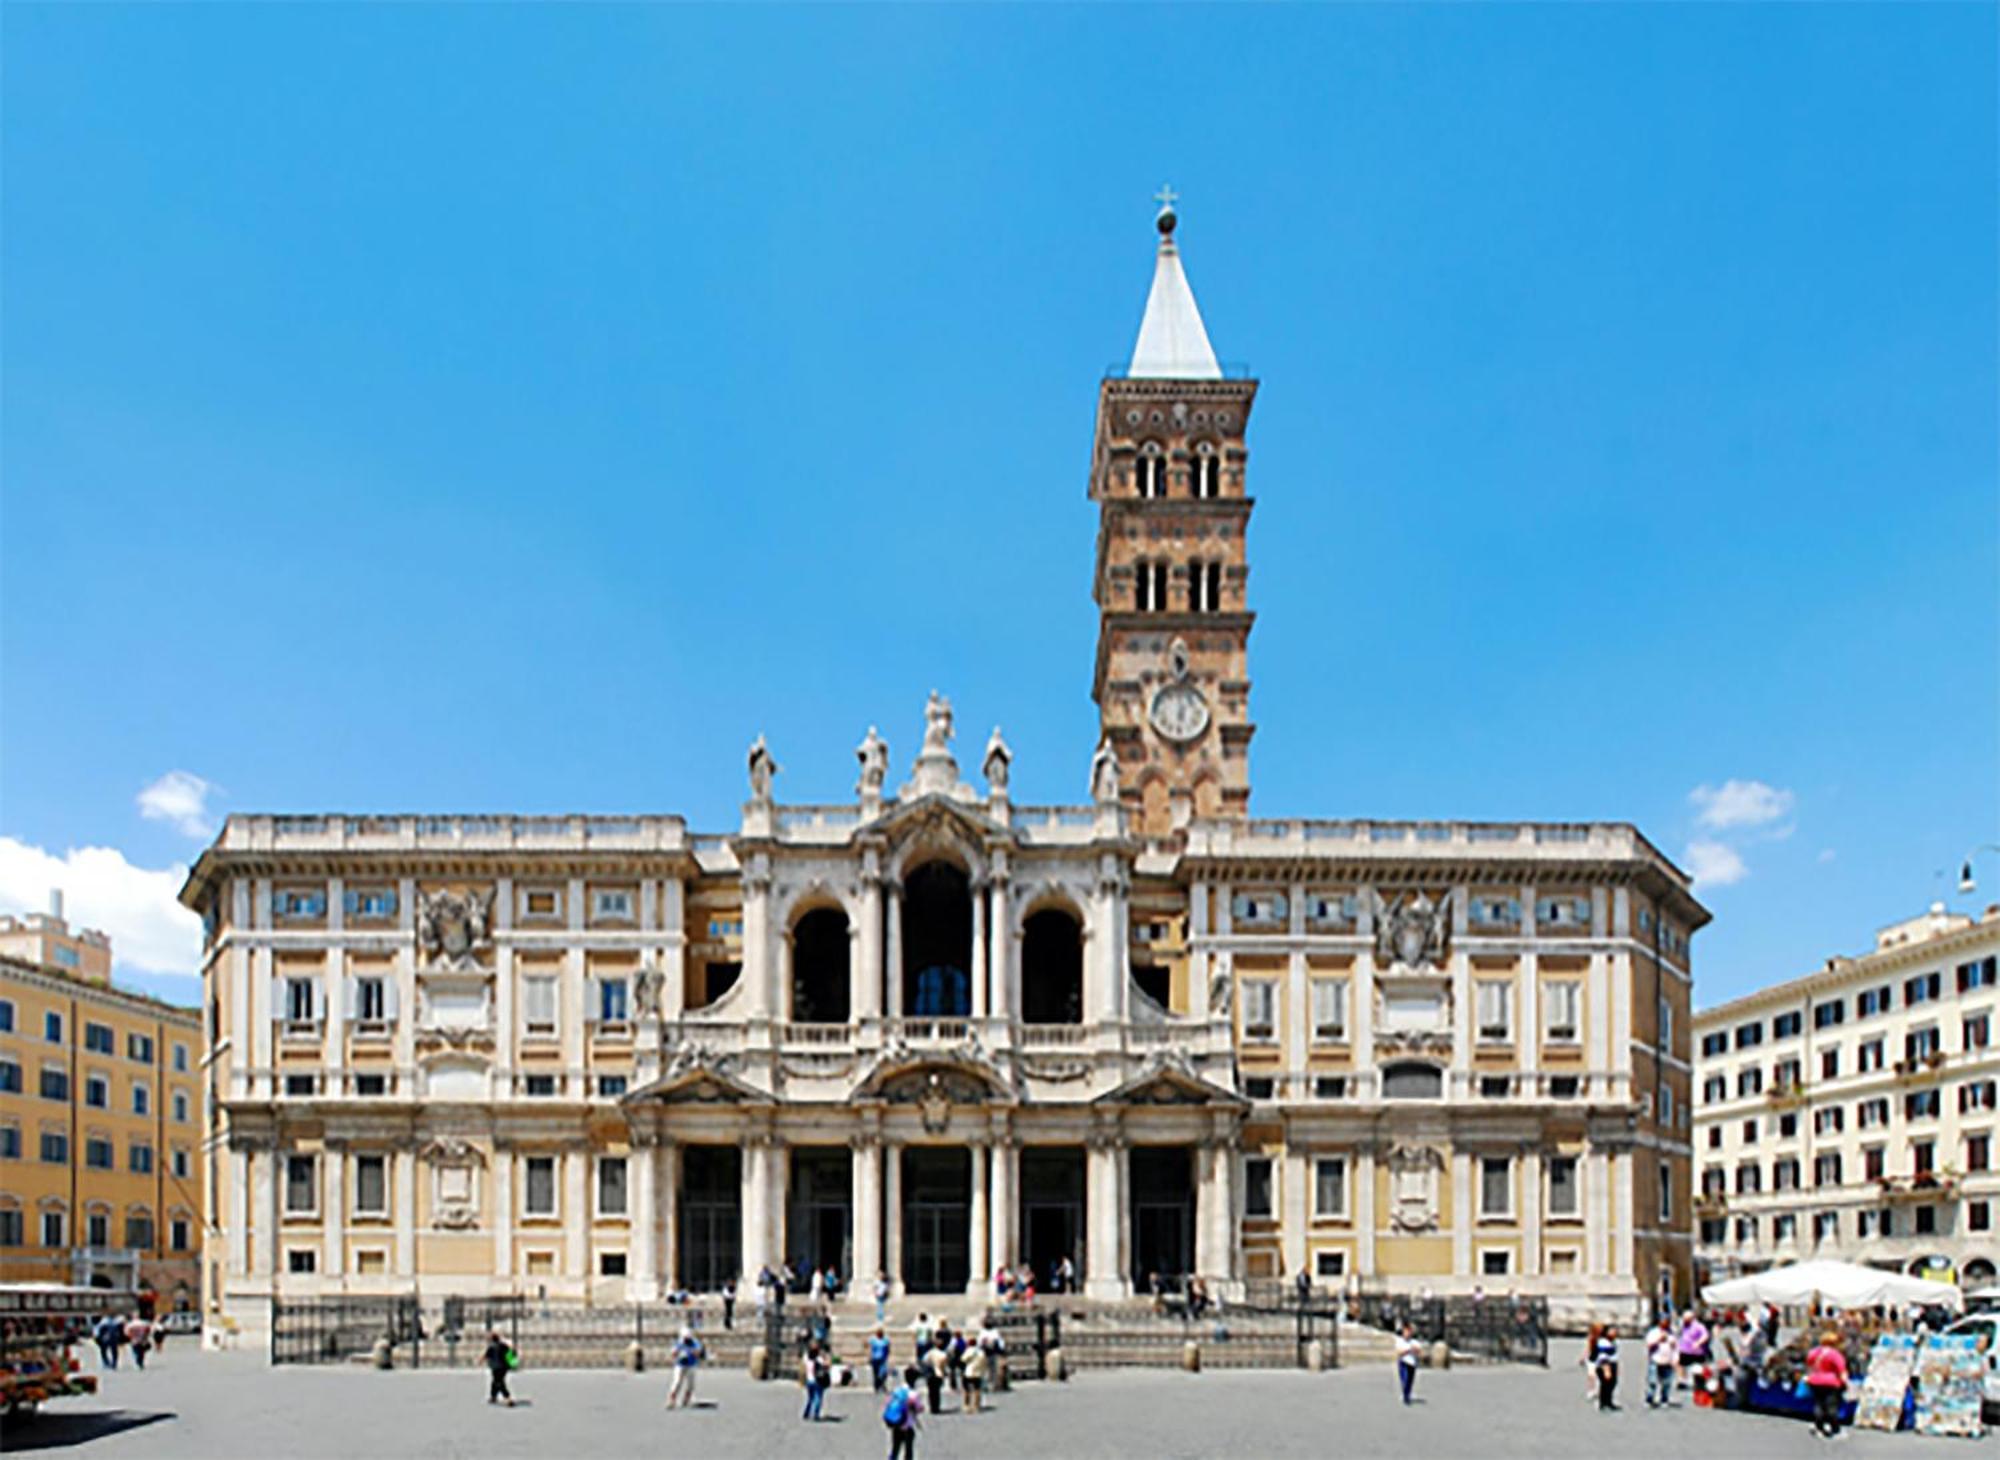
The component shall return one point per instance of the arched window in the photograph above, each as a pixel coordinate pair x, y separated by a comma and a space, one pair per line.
820, 983
937, 942
1412, 1081
1204, 587
1152, 471
1149, 587
1207, 471
1052, 968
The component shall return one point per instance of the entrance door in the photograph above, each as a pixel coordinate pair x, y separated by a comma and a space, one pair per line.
711, 1217
1162, 1212
817, 1222
937, 1217
1052, 1207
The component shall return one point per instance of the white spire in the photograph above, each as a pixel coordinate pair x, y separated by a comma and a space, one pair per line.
1172, 343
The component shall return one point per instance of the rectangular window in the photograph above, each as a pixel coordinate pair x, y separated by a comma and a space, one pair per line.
1868, 1055
1563, 1197
10, 1077
1260, 1004
1923, 988
97, 1092
178, 1234
538, 1004
611, 1087
1714, 1044
370, 904
614, 905
301, 1260
1750, 1131
295, 902
1259, 1087
1921, 1044
180, 1107
1748, 1035
541, 904
1978, 1152
1561, 1000
1257, 1186
139, 1231
1975, 1095
1785, 1026
97, 1229
1788, 1125
611, 1264
538, 1086
99, 1154
55, 1083
1871, 1002
1329, 1087
371, 1186
142, 1099
371, 1000
10, 1143
1715, 1138
1976, 1030
1565, 1087
1832, 1012
1330, 1264
139, 1047
1829, 1063
1495, 1087
53, 1230
6, 1016
299, 1001
1329, 996
1330, 1186
1784, 1227
1495, 1003
611, 1186
1826, 1226
1828, 1120
1666, 1184
97, 1039
1923, 1157
1497, 1262
613, 1001
1496, 1186
302, 1084
12, 1227
140, 1158
1750, 1080
1749, 1179
1787, 1074
539, 1194
55, 1147
1826, 1169
301, 1185
1785, 1174
1746, 1230
1921, 1105
180, 1059
1715, 1089
371, 1085
180, 1164
1926, 1220
1870, 1114
52, 1027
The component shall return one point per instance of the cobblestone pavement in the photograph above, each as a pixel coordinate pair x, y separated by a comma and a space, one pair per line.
217, 1406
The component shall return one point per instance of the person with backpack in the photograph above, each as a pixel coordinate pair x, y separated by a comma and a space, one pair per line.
900, 1415
688, 1354
499, 1359
816, 1373
878, 1358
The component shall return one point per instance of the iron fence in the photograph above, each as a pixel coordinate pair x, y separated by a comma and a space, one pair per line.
452, 1332
1513, 1330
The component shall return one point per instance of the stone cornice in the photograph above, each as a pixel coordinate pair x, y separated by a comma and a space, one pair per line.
63, 985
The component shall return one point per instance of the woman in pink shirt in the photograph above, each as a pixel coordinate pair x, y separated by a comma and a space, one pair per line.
1826, 1376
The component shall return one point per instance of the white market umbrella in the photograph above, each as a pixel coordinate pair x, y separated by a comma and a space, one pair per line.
1842, 1284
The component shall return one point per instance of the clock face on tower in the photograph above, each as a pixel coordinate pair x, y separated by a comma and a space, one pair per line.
1179, 712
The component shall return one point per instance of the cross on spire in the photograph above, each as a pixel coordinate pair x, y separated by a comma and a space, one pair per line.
1166, 197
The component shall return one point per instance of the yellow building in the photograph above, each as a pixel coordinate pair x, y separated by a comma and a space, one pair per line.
930, 1030
100, 1135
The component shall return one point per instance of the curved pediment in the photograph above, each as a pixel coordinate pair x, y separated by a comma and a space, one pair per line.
949, 1078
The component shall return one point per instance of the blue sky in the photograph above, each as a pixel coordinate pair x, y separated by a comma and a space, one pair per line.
520, 408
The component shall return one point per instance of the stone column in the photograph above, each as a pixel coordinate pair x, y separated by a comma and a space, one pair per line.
333, 1209
1006, 1200
1464, 1211
778, 1156
644, 1220
892, 967
1001, 961
1361, 1202
756, 1206
1208, 1259
576, 1216
867, 1215
1530, 1198
979, 1000
892, 1214
1104, 1274
1225, 1207
981, 1246
673, 932
867, 947
405, 1183
759, 974
503, 1212
670, 1213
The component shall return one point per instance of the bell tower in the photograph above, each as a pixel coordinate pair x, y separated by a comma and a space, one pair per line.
1172, 680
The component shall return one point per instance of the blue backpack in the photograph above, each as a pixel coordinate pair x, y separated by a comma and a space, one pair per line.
896, 1413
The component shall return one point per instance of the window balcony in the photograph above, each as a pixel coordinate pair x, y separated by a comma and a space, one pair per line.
1789, 1096
1919, 1187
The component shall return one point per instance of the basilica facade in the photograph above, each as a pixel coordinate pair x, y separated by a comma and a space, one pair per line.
930, 1031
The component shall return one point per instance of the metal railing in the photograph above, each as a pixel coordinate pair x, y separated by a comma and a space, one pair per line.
1511, 1329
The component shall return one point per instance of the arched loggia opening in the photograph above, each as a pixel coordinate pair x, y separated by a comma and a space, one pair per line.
1052, 968
821, 987
937, 942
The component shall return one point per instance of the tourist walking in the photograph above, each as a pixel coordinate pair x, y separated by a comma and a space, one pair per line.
920, 1335
881, 1297
1661, 1358
878, 1358
139, 1334
688, 1354
728, 1303
109, 1333
816, 1373
1409, 1353
1604, 1364
937, 1365
974, 1378
499, 1359
1826, 1377
900, 1415
1587, 1361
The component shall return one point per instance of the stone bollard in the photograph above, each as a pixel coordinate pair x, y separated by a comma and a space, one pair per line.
1316, 1356
1191, 1356
760, 1361
635, 1357
1440, 1355
1053, 1362
384, 1356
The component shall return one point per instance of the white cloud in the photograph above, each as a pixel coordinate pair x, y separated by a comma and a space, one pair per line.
1740, 804
149, 930
1714, 864
180, 798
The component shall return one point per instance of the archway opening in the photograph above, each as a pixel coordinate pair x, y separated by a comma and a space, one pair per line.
937, 942
821, 988
1052, 968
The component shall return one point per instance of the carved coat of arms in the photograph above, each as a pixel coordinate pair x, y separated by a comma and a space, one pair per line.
1411, 931
452, 928
1413, 1187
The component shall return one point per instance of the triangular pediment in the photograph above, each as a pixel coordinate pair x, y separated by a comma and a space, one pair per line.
1169, 1085
937, 815
697, 1085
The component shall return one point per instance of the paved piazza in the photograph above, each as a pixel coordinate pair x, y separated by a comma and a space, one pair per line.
209, 1406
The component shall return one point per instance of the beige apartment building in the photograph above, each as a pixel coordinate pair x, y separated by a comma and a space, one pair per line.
1851, 1113
100, 1131
928, 1030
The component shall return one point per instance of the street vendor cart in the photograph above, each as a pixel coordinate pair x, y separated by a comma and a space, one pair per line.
40, 1323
